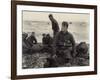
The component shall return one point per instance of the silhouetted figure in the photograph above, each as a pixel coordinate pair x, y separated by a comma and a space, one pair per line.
44, 39
82, 56
49, 40
47, 43
82, 49
32, 39
25, 45
64, 44
55, 26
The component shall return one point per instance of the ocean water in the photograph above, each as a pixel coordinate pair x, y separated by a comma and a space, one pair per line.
80, 30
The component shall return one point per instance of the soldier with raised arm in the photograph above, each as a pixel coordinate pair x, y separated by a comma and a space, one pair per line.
64, 44
55, 26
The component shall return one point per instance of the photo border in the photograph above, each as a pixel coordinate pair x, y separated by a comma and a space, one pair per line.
14, 39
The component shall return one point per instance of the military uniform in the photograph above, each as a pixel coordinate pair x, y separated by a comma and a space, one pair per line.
55, 27
64, 44
47, 46
82, 57
32, 40
25, 45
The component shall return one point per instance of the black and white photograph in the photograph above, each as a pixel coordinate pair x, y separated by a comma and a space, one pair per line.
55, 39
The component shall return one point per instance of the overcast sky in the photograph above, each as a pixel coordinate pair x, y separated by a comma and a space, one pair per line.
43, 16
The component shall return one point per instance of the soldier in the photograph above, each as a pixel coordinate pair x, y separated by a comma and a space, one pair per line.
44, 43
82, 49
55, 26
25, 45
49, 40
32, 39
82, 57
44, 39
47, 46
64, 44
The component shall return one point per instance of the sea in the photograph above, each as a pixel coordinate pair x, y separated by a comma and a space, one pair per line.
79, 30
